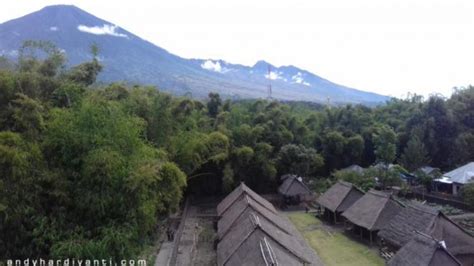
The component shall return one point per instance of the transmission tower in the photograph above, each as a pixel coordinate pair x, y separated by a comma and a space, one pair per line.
269, 89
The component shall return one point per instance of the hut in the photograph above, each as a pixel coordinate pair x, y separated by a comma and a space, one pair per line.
424, 250
338, 198
420, 218
237, 193
256, 241
294, 190
241, 208
372, 211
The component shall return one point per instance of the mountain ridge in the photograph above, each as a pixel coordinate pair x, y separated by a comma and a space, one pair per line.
127, 57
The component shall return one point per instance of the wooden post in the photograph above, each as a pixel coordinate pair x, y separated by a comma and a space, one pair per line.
360, 231
370, 232
334, 218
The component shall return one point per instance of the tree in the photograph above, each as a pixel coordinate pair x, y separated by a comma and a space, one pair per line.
109, 172
85, 73
333, 149
468, 194
214, 104
354, 149
414, 155
20, 190
31, 52
227, 179
385, 144
299, 160
28, 116
365, 181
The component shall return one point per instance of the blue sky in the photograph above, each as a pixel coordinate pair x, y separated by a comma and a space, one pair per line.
391, 47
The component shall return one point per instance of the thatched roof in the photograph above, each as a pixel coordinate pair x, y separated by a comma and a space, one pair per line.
236, 193
412, 218
283, 177
423, 250
240, 209
373, 210
340, 196
417, 217
256, 241
293, 186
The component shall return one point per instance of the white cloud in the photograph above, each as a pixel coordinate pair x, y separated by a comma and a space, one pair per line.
273, 75
104, 30
298, 78
54, 28
12, 53
214, 66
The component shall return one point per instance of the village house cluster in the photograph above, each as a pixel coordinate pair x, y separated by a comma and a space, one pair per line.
417, 234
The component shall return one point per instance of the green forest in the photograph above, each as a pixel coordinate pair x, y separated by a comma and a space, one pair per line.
89, 168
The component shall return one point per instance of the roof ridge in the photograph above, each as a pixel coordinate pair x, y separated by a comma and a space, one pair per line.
278, 240
257, 208
345, 183
240, 244
440, 213
379, 193
291, 183
254, 219
277, 222
379, 213
422, 208
349, 184
344, 198
438, 244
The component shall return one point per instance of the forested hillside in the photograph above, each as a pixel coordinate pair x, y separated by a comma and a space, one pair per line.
88, 169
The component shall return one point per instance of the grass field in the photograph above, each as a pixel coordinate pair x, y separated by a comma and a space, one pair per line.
334, 248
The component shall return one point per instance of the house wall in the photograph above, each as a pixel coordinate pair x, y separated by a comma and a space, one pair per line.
456, 188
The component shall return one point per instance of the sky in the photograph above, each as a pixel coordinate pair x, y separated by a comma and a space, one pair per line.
392, 47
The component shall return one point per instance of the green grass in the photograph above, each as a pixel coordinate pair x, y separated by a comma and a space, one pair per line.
334, 248
303, 221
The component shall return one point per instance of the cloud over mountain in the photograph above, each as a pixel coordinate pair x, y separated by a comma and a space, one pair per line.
103, 30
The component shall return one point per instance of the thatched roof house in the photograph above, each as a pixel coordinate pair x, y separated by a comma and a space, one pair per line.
416, 217
240, 209
424, 250
339, 197
251, 232
256, 241
239, 191
373, 210
294, 186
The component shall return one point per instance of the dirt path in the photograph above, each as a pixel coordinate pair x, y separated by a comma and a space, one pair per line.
196, 243
164, 255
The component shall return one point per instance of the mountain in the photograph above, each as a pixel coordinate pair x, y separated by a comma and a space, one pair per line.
127, 57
